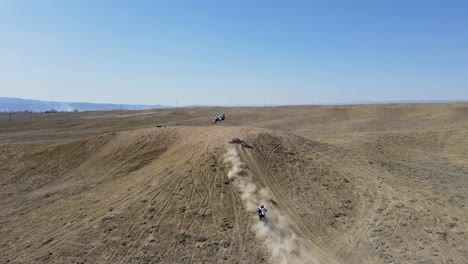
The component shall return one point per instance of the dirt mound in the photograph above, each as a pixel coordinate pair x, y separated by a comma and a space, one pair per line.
152, 195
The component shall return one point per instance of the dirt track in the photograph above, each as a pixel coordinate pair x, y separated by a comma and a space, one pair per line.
362, 184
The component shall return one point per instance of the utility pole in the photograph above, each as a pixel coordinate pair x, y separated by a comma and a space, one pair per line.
120, 109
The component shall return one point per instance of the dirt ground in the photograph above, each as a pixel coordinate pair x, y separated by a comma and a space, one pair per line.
342, 184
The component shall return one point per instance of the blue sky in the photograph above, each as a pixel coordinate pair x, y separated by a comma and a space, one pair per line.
224, 52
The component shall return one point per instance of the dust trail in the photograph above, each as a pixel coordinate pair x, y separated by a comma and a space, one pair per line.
277, 233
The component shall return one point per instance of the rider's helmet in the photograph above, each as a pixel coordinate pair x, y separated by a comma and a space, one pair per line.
261, 206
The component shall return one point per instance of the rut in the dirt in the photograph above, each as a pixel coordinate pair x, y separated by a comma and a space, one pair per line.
277, 234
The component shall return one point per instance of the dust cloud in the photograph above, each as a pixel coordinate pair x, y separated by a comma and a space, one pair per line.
277, 233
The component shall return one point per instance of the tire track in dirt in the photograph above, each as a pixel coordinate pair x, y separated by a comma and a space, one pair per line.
271, 179
58, 244
73, 230
183, 231
138, 215
161, 214
277, 234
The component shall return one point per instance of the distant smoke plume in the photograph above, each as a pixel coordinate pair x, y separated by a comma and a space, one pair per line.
276, 233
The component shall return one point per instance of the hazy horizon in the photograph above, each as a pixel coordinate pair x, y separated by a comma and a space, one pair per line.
229, 53
23, 104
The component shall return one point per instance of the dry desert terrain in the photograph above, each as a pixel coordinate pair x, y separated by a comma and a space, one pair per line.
342, 184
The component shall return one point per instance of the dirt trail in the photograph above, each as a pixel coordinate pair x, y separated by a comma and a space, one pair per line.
276, 233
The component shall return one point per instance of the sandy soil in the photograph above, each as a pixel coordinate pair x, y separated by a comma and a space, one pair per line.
342, 184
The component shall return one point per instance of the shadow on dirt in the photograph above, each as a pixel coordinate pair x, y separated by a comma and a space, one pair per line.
240, 142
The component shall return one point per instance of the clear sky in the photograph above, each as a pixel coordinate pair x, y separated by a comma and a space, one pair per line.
223, 52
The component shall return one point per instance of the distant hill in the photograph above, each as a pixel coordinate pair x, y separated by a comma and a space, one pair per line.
18, 104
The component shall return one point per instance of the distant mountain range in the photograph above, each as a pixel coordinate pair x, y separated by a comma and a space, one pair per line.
18, 104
